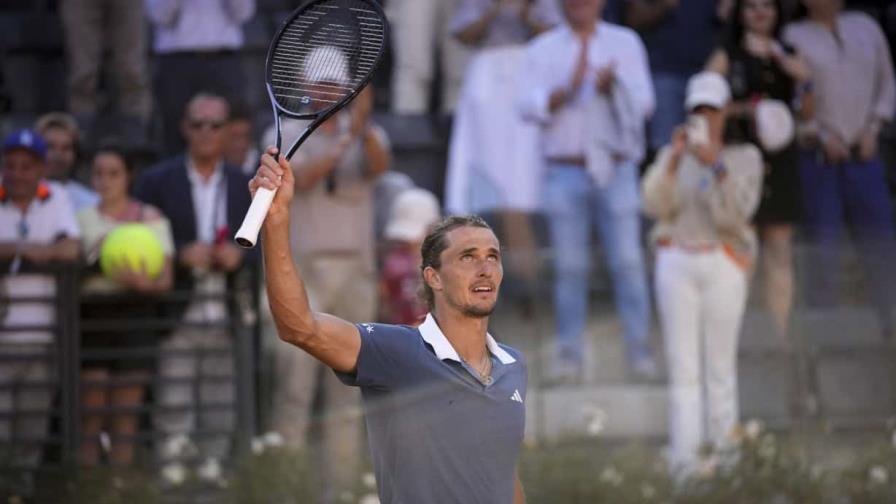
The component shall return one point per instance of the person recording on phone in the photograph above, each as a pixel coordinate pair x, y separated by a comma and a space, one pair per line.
703, 193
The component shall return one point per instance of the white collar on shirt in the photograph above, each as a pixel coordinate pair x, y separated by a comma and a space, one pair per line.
196, 179
433, 335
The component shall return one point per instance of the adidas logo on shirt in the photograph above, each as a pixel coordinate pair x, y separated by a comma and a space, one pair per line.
517, 397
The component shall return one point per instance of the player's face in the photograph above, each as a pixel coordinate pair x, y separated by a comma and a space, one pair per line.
204, 128
471, 271
22, 171
582, 12
60, 153
759, 16
109, 176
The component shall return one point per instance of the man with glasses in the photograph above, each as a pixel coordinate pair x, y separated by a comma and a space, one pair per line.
205, 200
37, 227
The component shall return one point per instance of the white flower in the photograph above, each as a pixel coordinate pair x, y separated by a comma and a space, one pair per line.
595, 420
878, 475
273, 439
753, 429
257, 446
176, 446
369, 499
611, 476
369, 480
210, 470
647, 491
174, 473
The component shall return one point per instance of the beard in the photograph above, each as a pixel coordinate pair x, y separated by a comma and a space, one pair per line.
474, 311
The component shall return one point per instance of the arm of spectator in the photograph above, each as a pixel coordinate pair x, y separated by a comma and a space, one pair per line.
642, 15
735, 196
718, 62
637, 80
792, 63
333, 341
163, 12
308, 171
62, 250
540, 96
659, 187
377, 151
240, 11
227, 257
472, 20
196, 255
139, 281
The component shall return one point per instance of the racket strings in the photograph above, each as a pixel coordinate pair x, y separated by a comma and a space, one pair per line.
325, 54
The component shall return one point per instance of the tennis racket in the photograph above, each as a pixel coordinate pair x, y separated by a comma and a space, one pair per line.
321, 57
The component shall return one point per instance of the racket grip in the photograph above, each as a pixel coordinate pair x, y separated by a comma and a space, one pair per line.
247, 235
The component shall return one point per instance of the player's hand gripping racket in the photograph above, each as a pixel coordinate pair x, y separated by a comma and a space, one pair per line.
320, 59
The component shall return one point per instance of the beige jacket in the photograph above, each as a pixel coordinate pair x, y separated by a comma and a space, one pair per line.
695, 207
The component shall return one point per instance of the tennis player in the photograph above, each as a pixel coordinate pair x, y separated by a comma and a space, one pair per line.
444, 402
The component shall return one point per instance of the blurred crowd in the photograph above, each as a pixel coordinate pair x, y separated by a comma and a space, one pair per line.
727, 126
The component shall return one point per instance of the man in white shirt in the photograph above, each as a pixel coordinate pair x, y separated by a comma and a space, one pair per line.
196, 45
588, 87
37, 227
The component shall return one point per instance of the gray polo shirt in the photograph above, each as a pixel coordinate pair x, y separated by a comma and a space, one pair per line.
437, 433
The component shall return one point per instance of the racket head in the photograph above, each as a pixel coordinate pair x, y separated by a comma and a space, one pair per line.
323, 55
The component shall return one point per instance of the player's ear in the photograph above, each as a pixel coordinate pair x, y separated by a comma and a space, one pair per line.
432, 278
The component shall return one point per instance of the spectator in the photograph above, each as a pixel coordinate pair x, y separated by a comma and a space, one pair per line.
759, 67
419, 28
63, 138
334, 246
242, 150
495, 23
679, 35
842, 175
588, 87
37, 227
702, 194
205, 200
126, 297
414, 212
196, 45
93, 27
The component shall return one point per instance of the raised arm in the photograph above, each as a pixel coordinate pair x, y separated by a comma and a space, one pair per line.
331, 340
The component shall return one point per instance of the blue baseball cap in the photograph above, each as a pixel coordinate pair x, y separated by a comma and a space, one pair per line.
26, 139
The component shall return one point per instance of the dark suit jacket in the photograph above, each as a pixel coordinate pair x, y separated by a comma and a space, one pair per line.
167, 187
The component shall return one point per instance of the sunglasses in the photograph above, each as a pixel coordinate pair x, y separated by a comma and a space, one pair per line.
200, 124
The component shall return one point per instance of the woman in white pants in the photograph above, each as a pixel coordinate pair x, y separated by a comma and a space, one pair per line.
702, 193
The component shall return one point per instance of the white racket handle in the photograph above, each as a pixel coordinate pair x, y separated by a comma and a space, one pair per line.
247, 236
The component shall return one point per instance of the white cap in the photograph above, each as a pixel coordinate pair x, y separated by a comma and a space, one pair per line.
707, 88
326, 64
775, 127
414, 211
